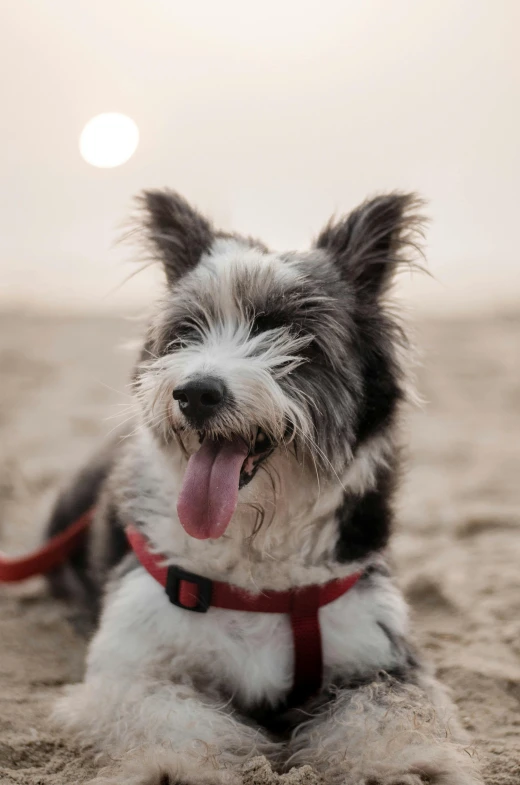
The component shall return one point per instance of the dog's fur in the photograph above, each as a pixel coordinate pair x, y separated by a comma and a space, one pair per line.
311, 353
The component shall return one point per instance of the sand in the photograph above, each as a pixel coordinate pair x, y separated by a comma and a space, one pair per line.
457, 546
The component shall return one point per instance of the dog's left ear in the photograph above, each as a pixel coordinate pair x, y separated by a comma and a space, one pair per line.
369, 243
177, 233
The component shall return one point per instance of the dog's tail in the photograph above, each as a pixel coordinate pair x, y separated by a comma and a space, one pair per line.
74, 579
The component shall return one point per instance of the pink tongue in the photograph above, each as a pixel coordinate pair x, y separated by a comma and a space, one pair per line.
209, 493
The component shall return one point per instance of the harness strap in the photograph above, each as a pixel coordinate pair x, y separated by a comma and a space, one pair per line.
195, 593
308, 656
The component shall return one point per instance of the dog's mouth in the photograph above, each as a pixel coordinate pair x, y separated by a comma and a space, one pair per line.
213, 477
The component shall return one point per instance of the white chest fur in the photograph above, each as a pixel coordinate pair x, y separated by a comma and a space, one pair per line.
246, 655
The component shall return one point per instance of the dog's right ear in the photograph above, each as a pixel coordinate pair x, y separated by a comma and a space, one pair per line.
369, 244
176, 232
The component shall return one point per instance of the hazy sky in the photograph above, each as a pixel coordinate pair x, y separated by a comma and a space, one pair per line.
270, 116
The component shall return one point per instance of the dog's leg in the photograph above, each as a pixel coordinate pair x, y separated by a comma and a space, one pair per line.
387, 733
149, 704
157, 732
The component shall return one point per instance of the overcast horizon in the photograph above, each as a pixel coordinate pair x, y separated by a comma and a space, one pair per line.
268, 118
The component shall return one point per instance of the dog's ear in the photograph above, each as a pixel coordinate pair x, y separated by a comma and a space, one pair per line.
373, 240
175, 231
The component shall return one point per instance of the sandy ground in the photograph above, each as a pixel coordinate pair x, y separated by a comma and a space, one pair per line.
457, 547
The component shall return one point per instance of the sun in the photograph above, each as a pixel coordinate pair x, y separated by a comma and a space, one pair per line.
109, 140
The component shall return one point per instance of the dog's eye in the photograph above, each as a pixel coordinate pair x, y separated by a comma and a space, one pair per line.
188, 331
180, 333
263, 321
314, 353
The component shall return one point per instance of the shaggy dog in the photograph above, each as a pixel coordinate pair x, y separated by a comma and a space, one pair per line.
264, 456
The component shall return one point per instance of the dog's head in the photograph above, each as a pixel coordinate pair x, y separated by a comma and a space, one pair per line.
253, 352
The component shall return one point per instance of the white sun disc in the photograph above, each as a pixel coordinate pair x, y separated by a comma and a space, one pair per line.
109, 140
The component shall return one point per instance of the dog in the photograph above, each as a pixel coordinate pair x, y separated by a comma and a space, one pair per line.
264, 457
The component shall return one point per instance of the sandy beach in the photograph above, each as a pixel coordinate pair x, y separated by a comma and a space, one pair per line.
456, 548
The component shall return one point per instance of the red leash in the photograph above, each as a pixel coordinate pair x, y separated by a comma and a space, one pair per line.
194, 593
50, 555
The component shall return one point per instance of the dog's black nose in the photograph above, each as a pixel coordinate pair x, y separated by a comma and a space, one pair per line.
200, 398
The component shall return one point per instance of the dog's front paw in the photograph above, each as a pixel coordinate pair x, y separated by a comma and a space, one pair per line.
435, 768
397, 779
160, 766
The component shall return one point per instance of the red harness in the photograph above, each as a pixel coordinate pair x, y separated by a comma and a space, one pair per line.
195, 593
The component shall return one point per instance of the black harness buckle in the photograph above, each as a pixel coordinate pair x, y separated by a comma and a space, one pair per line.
173, 585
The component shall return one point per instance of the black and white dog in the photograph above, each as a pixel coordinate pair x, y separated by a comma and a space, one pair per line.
264, 457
